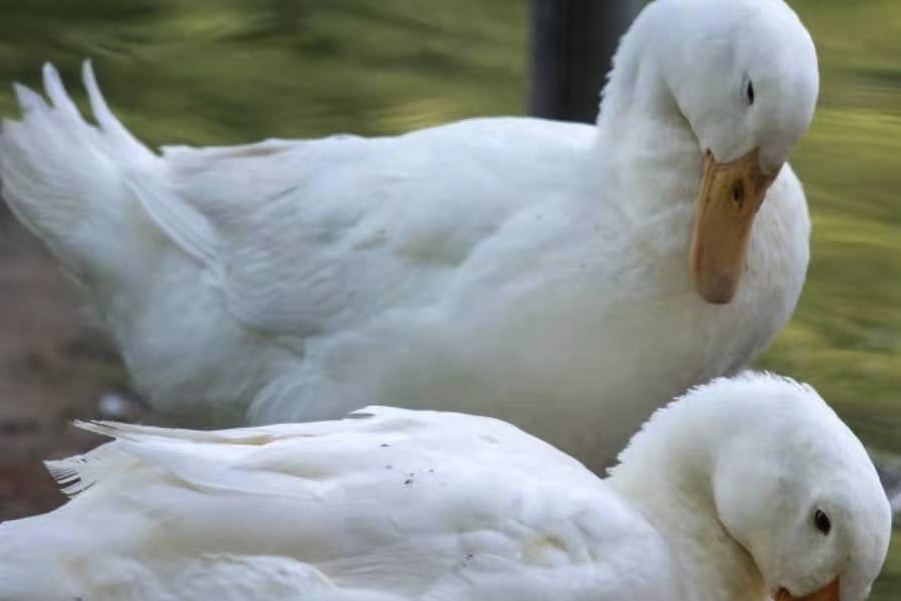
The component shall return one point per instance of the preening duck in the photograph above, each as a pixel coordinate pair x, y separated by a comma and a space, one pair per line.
743, 488
568, 278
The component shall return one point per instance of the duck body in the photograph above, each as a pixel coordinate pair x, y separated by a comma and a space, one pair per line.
396, 505
382, 508
529, 270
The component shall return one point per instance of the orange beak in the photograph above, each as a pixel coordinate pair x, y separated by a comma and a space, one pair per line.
827, 593
731, 194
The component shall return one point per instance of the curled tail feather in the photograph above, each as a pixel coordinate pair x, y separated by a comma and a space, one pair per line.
66, 178
89, 190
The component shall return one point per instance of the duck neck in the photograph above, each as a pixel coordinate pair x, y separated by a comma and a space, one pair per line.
636, 89
655, 144
667, 473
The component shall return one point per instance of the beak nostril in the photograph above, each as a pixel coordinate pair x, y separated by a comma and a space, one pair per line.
738, 193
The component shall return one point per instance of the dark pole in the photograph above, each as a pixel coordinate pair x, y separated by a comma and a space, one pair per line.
572, 44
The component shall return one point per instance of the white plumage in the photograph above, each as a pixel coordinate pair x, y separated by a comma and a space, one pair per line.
530, 270
713, 500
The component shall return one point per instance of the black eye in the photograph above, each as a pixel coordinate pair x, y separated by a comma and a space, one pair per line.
749, 92
822, 521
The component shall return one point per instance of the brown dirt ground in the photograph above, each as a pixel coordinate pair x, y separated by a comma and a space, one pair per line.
54, 367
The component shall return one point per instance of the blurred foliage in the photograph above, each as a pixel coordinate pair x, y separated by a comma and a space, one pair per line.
230, 71
206, 72
845, 337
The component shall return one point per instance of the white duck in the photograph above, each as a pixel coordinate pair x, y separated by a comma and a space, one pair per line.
741, 489
550, 274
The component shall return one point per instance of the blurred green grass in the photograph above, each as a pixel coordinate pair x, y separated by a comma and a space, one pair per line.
845, 337
208, 72
230, 71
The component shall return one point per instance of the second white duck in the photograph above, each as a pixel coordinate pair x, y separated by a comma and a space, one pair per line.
743, 489
567, 278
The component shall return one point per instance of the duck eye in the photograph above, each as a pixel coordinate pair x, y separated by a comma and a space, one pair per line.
822, 521
749, 92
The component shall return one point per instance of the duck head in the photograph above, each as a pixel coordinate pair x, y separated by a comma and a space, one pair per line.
767, 491
800, 494
743, 75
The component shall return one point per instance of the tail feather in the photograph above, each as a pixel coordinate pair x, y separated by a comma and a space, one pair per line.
66, 178
53, 85
87, 190
104, 116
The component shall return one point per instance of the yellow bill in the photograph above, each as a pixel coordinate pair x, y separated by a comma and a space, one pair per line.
731, 194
